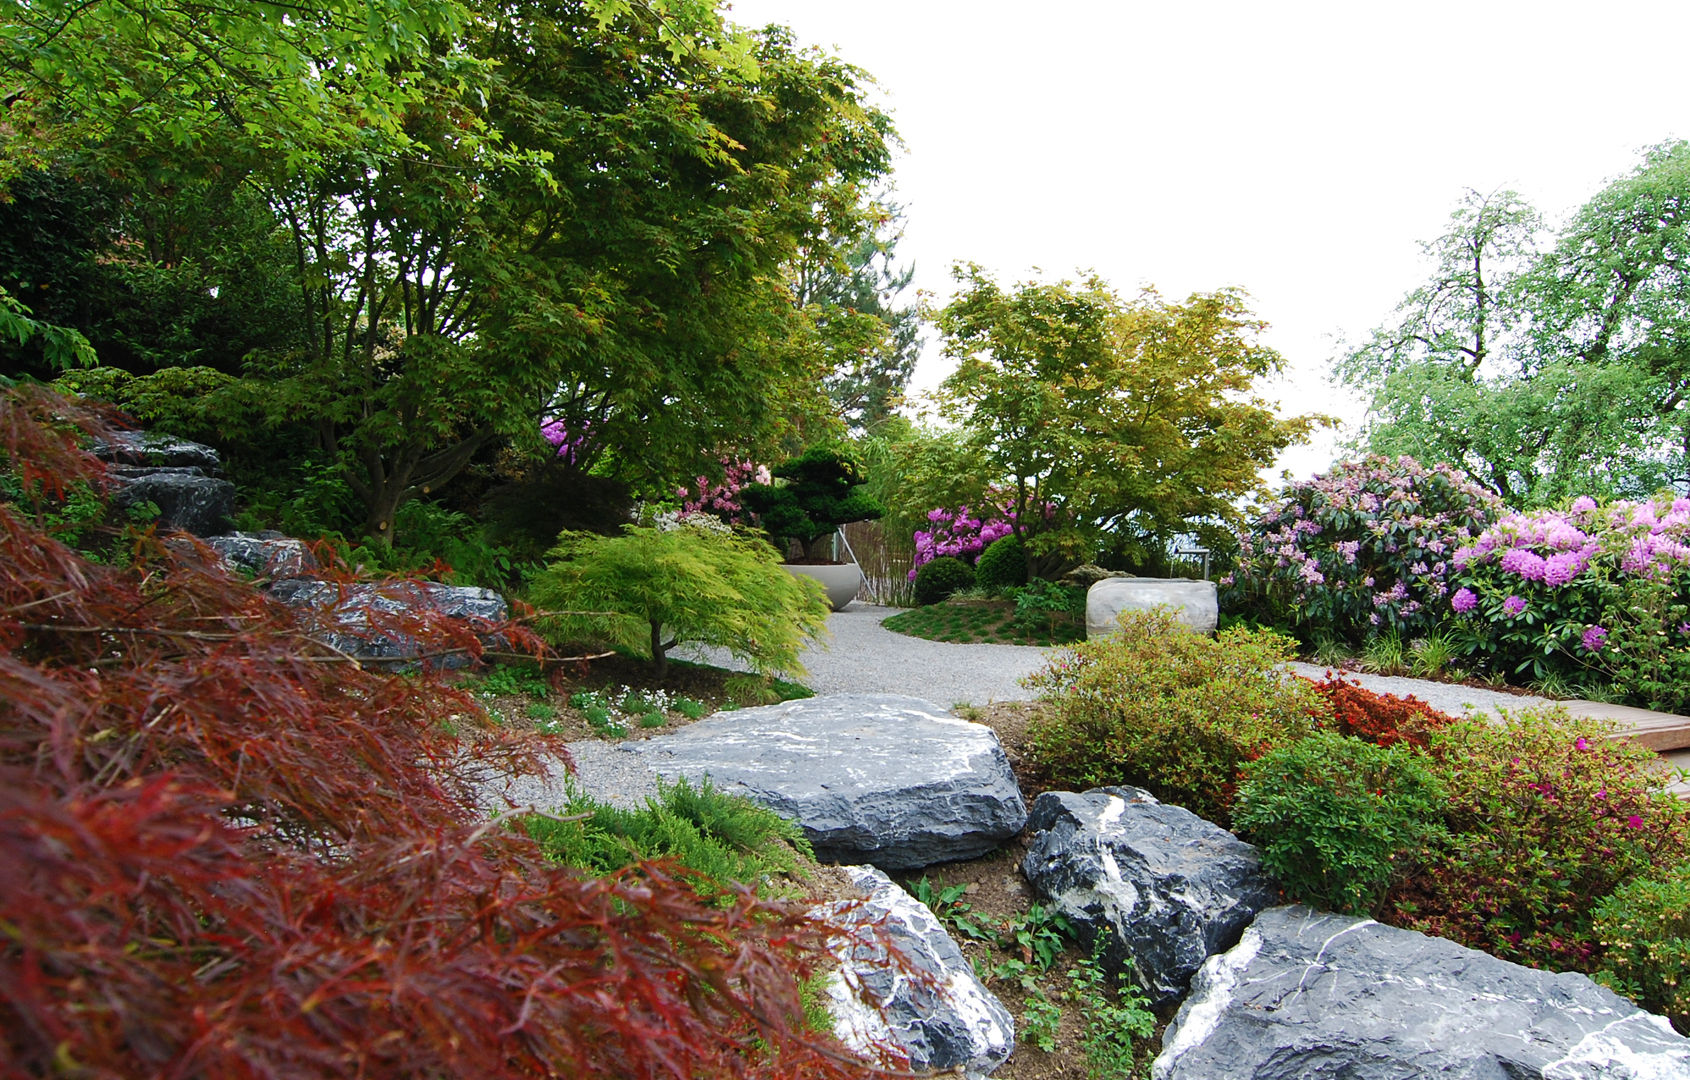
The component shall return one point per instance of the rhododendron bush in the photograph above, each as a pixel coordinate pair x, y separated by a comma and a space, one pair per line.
1360, 550
1594, 593
226, 851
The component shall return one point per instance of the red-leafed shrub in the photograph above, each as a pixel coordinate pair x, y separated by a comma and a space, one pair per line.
1381, 719
226, 851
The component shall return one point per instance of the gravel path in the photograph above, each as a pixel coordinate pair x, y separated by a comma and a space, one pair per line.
864, 657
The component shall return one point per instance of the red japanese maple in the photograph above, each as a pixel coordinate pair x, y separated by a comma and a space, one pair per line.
227, 851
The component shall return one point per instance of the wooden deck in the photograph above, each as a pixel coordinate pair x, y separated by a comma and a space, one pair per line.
1665, 733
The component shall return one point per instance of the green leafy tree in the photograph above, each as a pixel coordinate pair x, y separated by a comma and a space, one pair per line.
651, 588
1101, 417
849, 287
1546, 372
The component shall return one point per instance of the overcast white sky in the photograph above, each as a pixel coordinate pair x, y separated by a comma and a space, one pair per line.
1298, 150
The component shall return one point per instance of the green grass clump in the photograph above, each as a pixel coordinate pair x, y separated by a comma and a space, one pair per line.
719, 838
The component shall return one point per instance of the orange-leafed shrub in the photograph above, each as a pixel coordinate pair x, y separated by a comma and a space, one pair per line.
1382, 719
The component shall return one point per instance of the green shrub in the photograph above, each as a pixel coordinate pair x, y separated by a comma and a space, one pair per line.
1547, 816
1645, 927
651, 588
1171, 711
1003, 565
938, 579
722, 839
1337, 818
1041, 605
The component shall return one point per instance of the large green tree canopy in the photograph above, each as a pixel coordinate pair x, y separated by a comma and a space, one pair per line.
1109, 420
575, 211
1547, 365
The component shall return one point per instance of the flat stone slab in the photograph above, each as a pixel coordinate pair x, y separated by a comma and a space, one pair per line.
1158, 887
1307, 994
878, 778
925, 1002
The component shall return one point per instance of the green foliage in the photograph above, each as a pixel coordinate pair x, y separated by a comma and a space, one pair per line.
505, 680
1547, 816
1545, 371
823, 490
1337, 818
1117, 1021
650, 588
1041, 1020
966, 620
1133, 418
949, 907
1043, 604
1174, 712
1003, 565
1645, 927
938, 579
722, 839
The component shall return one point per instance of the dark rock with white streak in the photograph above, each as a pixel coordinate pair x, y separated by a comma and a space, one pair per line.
186, 498
1160, 886
266, 554
880, 778
145, 448
1307, 994
930, 1007
351, 614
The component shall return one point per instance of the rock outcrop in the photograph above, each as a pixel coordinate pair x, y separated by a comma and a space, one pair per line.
1162, 888
880, 778
925, 1002
267, 554
1306, 994
176, 475
353, 615
1194, 603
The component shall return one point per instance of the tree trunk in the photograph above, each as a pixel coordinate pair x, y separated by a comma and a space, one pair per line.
659, 657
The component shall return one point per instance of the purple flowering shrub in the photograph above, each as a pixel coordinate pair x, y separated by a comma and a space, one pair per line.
1546, 816
1592, 594
960, 533
1361, 550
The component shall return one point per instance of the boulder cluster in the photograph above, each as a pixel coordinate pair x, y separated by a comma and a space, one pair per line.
182, 480
1265, 990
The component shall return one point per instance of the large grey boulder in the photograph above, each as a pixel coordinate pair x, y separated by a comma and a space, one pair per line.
178, 476
351, 614
1306, 994
1194, 603
148, 449
186, 498
1160, 886
880, 778
926, 1002
267, 554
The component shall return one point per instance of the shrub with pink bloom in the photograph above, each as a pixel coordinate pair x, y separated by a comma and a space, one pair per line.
721, 499
1596, 593
1362, 549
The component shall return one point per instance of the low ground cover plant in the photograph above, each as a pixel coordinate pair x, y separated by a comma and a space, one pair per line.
718, 840
1381, 719
1644, 928
1174, 712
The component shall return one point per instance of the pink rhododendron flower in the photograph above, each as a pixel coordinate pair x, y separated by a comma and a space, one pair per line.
1514, 605
1592, 641
1464, 600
